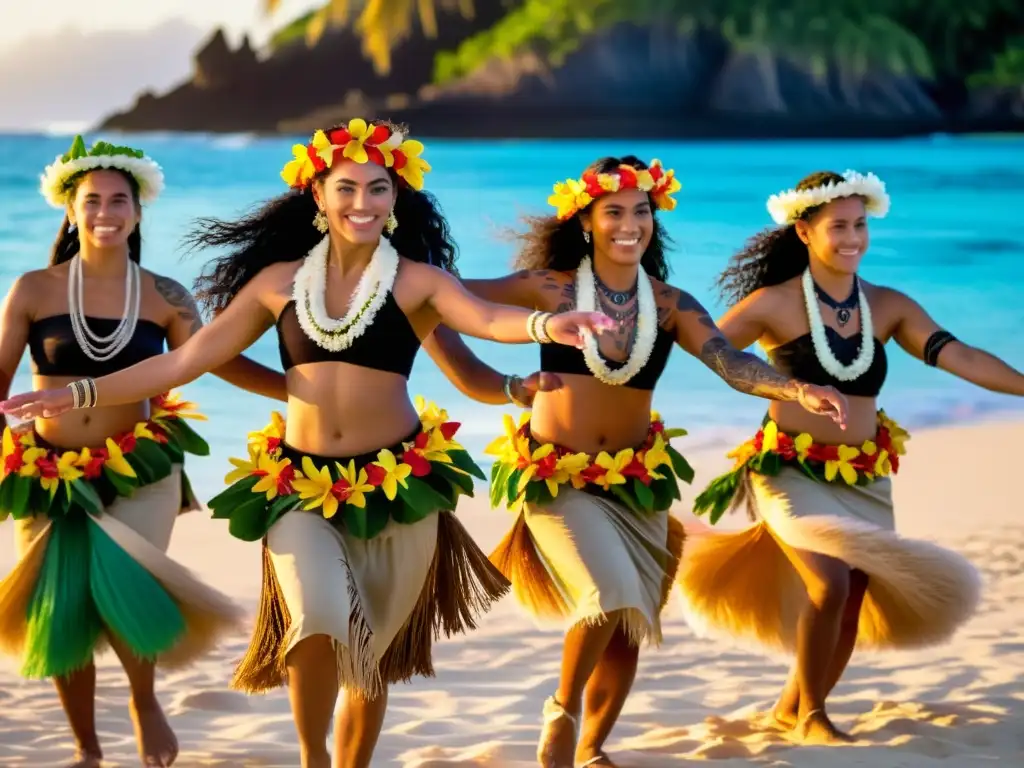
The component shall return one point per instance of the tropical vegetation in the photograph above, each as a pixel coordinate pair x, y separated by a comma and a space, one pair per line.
946, 41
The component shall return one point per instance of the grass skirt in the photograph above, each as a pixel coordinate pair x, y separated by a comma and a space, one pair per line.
741, 585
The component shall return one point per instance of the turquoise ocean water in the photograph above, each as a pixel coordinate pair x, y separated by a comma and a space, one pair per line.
954, 240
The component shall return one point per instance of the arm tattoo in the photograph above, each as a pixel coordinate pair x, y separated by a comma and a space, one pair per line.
687, 303
181, 300
745, 372
568, 298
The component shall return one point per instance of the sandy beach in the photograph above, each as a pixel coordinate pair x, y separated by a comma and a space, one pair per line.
695, 700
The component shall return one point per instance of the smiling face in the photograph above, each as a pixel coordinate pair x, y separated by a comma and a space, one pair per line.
837, 235
357, 199
105, 209
621, 225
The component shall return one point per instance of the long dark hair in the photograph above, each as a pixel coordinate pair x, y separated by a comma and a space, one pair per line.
559, 245
66, 245
282, 230
773, 255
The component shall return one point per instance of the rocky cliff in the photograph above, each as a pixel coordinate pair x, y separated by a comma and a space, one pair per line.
626, 80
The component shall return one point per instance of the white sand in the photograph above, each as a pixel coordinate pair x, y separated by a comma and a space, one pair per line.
959, 705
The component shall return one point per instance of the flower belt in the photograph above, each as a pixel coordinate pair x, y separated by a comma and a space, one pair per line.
526, 472
406, 483
769, 450
39, 479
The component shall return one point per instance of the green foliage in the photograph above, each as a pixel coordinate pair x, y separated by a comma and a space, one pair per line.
1007, 69
923, 38
292, 31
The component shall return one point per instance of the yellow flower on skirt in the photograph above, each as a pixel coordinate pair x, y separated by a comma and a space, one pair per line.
116, 460
842, 465
395, 473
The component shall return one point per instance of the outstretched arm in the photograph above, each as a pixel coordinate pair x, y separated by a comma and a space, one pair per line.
476, 379
240, 371
697, 333
14, 323
244, 321
463, 312
921, 336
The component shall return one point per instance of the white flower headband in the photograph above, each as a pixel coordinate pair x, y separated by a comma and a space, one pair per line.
54, 183
786, 207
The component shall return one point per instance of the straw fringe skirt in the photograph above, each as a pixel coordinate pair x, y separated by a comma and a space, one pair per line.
741, 585
382, 601
80, 578
583, 556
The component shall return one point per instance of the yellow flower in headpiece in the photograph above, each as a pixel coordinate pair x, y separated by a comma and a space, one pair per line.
298, 171
415, 166
360, 132
644, 180
665, 187
569, 196
324, 149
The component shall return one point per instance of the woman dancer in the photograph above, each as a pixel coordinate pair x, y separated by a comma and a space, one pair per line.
591, 473
364, 561
95, 496
823, 570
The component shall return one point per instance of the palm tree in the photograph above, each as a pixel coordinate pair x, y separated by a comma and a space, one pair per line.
381, 23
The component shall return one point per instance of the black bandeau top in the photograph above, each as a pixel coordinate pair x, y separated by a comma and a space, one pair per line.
560, 358
55, 352
797, 358
388, 344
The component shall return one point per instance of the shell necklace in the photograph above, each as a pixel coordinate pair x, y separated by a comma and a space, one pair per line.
96, 347
819, 337
646, 327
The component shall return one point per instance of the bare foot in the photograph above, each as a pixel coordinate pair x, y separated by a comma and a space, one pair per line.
558, 737
816, 728
585, 758
87, 759
158, 745
781, 718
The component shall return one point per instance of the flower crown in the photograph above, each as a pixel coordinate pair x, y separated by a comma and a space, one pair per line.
573, 195
55, 182
786, 207
361, 142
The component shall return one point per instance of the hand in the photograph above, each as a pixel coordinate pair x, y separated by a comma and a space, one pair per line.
524, 390
45, 404
567, 327
824, 401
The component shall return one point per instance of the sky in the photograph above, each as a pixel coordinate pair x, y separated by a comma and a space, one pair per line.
21, 20
64, 69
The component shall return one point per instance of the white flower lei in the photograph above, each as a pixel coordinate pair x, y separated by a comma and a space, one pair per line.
310, 294
823, 351
646, 327
786, 207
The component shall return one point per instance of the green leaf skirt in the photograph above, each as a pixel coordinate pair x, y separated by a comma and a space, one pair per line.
75, 580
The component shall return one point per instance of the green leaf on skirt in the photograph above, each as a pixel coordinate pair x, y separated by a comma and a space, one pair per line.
644, 495
464, 461
499, 483
235, 494
248, 520
680, 465
84, 494
124, 486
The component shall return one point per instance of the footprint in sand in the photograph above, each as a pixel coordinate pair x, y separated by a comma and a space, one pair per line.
211, 701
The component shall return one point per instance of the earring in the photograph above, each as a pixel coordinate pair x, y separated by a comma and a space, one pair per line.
391, 224
586, 236
320, 222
